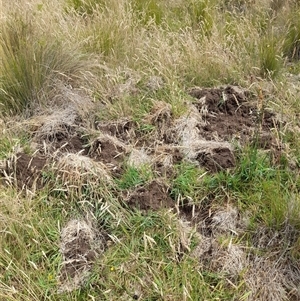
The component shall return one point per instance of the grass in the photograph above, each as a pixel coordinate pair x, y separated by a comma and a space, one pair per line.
133, 60
291, 43
140, 264
25, 229
134, 176
32, 62
187, 183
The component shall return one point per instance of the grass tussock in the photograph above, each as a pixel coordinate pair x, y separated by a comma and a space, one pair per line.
127, 205
33, 60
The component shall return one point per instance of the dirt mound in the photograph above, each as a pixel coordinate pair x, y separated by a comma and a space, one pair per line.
60, 131
55, 127
121, 129
228, 115
75, 172
80, 245
73, 144
152, 196
25, 171
107, 149
218, 159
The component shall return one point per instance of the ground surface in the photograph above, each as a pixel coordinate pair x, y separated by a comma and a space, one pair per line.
217, 123
149, 150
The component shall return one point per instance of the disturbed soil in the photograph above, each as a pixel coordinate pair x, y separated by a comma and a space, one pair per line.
216, 121
25, 170
153, 196
229, 115
219, 159
80, 245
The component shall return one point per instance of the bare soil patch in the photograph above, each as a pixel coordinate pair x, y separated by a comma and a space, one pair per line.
80, 246
107, 149
229, 115
25, 171
153, 196
73, 144
121, 129
216, 160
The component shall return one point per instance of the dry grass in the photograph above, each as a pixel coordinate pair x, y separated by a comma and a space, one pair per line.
118, 74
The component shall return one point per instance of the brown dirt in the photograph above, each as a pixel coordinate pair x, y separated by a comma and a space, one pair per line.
107, 152
74, 144
26, 170
122, 129
79, 247
153, 196
228, 115
218, 159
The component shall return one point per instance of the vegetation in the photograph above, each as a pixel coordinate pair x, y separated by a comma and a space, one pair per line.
96, 114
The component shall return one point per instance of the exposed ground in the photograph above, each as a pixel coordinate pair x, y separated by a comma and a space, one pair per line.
217, 123
153, 175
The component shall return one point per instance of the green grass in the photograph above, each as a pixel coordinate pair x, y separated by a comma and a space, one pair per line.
187, 183
270, 57
24, 228
254, 184
139, 264
291, 43
134, 176
107, 52
31, 63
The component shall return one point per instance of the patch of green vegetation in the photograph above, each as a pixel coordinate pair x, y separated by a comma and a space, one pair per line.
29, 243
145, 128
10, 141
187, 182
201, 16
134, 106
265, 190
148, 11
270, 59
291, 46
175, 97
5, 147
106, 38
141, 263
30, 63
133, 176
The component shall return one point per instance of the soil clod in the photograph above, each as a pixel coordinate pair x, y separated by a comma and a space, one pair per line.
25, 170
153, 196
229, 115
217, 160
79, 247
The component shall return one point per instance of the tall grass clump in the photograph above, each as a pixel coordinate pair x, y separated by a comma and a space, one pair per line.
201, 15
148, 11
32, 60
291, 45
270, 58
84, 7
